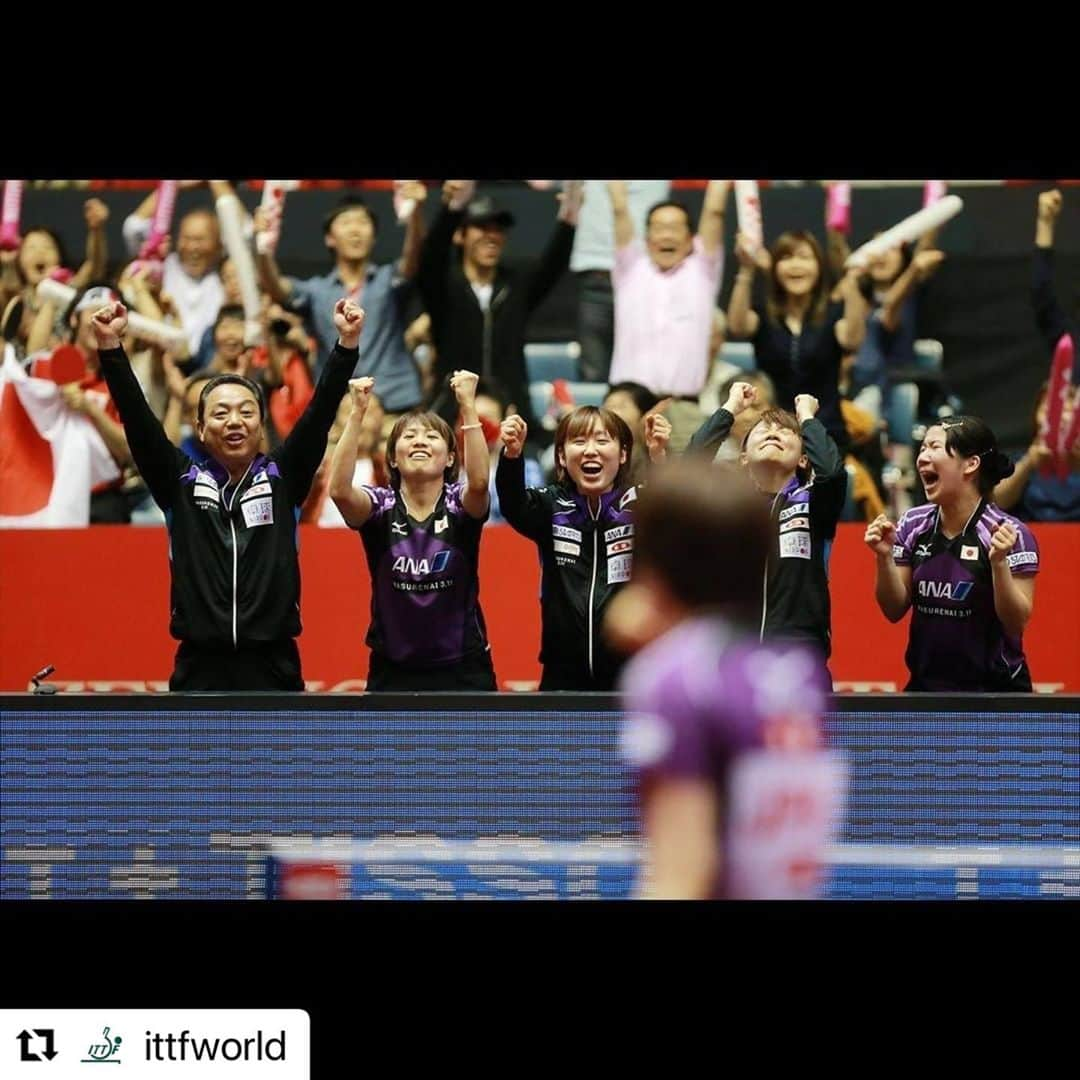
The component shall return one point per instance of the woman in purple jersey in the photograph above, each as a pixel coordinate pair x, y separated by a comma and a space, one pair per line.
723, 733
965, 567
421, 537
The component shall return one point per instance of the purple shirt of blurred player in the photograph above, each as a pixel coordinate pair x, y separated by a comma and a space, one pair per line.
425, 586
705, 702
956, 640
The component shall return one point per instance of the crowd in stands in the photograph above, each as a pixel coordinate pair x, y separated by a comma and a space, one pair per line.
652, 336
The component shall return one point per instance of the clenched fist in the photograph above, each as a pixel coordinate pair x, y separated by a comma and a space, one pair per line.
513, 432
109, 324
880, 536
1002, 541
349, 320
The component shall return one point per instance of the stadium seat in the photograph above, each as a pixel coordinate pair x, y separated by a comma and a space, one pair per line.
548, 361
739, 353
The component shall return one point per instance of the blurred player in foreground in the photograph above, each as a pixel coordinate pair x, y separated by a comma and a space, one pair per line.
723, 732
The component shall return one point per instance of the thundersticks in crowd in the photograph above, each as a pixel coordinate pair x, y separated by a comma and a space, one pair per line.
231, 401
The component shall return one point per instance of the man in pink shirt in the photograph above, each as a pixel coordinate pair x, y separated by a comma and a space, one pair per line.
665, 294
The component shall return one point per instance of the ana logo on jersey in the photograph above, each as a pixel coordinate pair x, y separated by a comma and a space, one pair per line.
945, 590
405, 564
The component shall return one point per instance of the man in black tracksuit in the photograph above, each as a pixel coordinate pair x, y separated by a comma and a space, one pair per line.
796, 464
478, 308
232, 517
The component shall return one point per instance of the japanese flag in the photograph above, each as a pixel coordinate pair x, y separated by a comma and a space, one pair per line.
50, 456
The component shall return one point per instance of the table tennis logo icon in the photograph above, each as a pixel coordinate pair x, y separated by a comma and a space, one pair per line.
104, 1052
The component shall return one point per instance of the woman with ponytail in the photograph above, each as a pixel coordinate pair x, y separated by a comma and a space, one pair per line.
964, 565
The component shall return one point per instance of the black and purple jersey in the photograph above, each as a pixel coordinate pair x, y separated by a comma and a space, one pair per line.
706, 703
586, 556
425, 585
956, 640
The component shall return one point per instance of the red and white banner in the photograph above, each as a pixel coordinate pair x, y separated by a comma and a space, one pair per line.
50, 456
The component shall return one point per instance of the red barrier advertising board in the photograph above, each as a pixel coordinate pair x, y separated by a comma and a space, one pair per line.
94, 603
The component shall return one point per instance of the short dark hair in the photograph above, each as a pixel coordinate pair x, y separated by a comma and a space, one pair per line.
343, 206
229, 311
968, 436
642, 397
581, 422
665, 203
489, 386
705, 532
432, 420
222, 380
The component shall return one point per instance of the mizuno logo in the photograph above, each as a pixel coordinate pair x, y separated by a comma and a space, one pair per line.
922, 551
398, 529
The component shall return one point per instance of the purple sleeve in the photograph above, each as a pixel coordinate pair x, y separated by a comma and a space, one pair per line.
664, 732
1024, 557
382, 499
905, 533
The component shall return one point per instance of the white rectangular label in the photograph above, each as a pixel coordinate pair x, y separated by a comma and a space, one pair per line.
566, 532
1022, 558
618, 532
619, 546
795, 523
898, 551
618, 568
201, 492
791, 511
795, 545
567, 548
258, 489
244, 1043
258, 512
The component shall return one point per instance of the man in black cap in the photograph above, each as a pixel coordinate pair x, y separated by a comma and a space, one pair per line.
478, 308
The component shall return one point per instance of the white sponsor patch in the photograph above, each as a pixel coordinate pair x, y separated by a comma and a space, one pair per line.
795, 523
202, 492
441, 525
795, 545
618, 568
566, 532
898, 551
618, 532
205, 478
1022, 558
258, 512
259, 477
791, 511
619, 546
629, 497
567, 548
258, 489
969, 553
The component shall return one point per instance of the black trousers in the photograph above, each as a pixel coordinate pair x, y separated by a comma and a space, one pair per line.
470, 673
577, 677
271, 665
